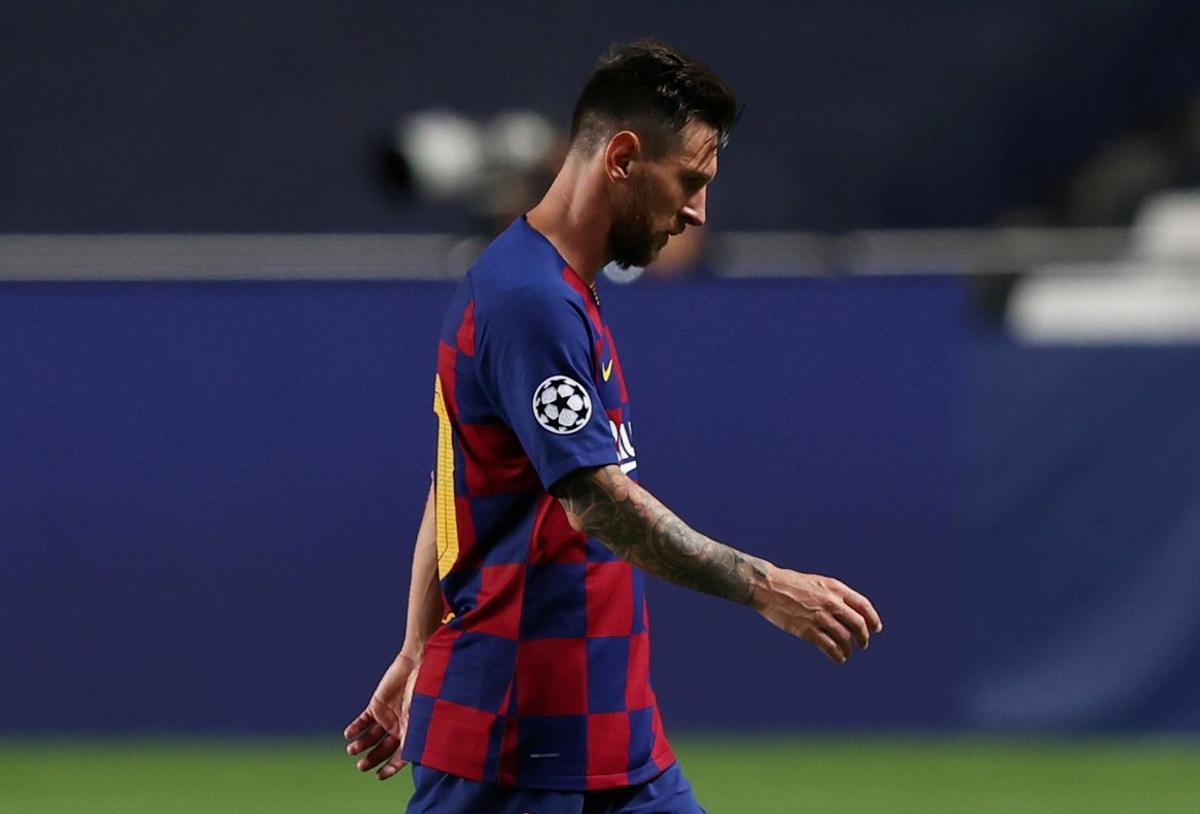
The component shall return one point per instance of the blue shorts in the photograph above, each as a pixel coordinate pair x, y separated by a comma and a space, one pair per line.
440, 793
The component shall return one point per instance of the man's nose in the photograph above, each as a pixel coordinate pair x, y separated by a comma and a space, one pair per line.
693, 211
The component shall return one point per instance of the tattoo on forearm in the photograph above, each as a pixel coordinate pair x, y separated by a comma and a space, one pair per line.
612, 508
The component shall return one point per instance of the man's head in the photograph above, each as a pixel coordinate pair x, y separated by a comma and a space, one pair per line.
654, 120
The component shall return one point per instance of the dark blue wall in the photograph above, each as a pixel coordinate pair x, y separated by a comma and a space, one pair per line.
208, 494
250, 116
1083, 512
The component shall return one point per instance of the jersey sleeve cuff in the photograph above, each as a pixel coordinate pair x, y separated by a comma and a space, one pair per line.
565, 466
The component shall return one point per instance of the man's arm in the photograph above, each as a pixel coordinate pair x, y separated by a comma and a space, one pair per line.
607, 504
425, 606
382, 725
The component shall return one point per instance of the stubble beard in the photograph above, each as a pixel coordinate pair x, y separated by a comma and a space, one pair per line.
632, 241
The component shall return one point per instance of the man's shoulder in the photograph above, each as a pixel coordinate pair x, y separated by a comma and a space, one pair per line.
520, 275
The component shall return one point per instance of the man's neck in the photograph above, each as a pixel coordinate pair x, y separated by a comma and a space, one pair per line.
574, 217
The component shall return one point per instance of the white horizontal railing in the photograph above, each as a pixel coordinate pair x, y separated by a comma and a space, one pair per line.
226, 257
922, 251
1076, 285
445, 256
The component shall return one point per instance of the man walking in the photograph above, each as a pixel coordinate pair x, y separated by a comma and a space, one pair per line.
523, 684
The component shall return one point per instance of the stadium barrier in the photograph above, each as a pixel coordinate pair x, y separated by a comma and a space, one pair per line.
209, 488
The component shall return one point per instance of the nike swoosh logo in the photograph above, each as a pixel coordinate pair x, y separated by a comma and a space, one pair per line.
607, 370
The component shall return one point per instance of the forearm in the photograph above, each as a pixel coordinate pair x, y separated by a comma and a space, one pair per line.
607, 504
425, 606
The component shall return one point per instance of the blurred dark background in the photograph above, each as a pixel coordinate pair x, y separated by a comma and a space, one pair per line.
252, 116
214, 451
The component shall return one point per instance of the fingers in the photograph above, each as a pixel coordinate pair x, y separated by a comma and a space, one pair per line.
394, 765
382, 751
830, 647
366, 740
856, 613
365, 734
835, 630
359, 725
855, 623
863, 605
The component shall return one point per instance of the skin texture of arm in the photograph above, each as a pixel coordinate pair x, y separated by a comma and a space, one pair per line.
382, 725
425, 607
607, 504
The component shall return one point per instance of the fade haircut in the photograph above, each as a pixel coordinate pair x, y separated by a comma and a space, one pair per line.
655, 91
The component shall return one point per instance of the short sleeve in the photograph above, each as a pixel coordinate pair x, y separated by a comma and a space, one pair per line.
536, 364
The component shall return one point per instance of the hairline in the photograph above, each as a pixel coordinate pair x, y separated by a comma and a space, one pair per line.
649, 141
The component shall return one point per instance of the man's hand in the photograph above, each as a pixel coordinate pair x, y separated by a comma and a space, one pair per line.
819, 610
382, 725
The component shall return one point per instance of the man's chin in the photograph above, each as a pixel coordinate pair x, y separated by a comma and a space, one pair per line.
629, 264
641, 261
628, 254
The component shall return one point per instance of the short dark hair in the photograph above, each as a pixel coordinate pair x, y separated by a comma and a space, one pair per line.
654, 90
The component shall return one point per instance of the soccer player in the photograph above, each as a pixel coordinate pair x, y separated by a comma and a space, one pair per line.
522, 684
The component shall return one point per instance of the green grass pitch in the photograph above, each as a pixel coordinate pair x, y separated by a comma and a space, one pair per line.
739, 775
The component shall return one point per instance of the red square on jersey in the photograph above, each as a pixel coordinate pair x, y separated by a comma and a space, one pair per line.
454, 735
501, 591
608, 744
637, 685
435, 661
609, 599
554, 539
552, 677
494, 460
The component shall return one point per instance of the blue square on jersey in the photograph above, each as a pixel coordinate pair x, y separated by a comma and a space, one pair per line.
481, 668
641, 736
608, 667
599, 552
507, 522
419, 713
639, 601
464, 586
552, 745
555, 601
491, 761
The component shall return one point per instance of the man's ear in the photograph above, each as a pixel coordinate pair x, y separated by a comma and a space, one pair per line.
623, 149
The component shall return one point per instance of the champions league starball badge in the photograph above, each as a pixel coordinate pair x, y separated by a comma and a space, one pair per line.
561, 405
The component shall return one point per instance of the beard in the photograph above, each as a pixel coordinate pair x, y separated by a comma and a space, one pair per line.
632, 240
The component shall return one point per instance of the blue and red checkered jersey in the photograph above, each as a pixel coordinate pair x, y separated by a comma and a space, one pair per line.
539, 678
